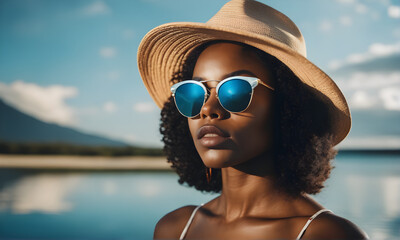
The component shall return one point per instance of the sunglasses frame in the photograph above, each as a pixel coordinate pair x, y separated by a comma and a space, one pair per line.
253, 81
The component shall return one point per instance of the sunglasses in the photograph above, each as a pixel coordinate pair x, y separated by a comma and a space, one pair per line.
233, 93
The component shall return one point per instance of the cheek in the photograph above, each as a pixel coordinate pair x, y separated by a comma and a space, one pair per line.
257, 133
253, 138
192, 127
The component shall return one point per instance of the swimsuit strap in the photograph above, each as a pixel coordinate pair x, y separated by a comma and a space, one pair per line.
298, 237
309, 221
189, 222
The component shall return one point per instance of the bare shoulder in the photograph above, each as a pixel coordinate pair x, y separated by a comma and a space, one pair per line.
172, 224
330, 226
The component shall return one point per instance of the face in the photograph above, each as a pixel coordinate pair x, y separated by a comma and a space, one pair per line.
222, 138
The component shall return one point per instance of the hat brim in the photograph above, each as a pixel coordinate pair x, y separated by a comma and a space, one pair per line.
164, 49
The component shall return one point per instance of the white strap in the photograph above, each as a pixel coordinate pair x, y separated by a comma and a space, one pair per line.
189, 222
309, 221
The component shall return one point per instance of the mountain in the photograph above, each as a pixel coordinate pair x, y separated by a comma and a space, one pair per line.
19, 127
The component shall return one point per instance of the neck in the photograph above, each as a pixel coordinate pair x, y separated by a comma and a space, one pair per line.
250, 189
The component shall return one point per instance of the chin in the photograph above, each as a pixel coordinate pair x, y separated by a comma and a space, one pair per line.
219, 158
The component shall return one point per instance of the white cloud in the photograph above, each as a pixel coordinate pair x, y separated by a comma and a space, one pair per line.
357, 58
325, 26
362, 100
144, 107
346, 1
375, 50
379, 49
109, 107
346, 21
391, 98
96, 8
371, 80
394, 11
335, 64
45, 103
361, 8
108, 52
379, 90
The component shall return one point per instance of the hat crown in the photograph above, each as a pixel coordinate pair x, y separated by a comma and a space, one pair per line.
257, 18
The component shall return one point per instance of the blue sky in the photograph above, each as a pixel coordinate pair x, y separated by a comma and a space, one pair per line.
74, 62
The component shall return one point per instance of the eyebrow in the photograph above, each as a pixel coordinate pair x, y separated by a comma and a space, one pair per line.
235, 73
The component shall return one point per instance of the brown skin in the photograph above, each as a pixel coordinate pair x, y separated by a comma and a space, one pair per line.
250, 206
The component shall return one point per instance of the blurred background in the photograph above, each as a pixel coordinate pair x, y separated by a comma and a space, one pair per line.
80, 148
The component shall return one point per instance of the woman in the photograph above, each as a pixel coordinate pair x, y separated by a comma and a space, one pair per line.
249, 116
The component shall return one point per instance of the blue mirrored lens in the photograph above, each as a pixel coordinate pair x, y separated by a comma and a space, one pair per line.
235, 95
189, 99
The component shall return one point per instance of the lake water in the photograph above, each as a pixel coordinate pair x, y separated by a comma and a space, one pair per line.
126, 205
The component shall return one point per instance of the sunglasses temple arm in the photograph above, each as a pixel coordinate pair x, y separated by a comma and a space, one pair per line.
265, 85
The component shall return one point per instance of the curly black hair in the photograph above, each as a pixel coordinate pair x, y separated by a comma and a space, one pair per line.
303, 140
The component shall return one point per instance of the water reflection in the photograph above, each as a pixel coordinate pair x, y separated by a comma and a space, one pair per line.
375, 202
148, 188
391, 195
115, 205
358, 192
110, 188
47, 193
380, 194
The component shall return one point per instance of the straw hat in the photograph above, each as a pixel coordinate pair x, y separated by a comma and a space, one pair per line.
164, 49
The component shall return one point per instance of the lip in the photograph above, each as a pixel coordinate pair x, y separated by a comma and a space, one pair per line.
211, 130
211, 136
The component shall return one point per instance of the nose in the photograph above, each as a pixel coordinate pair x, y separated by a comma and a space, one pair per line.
212, 108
